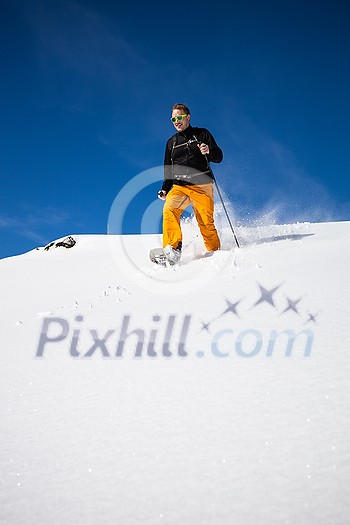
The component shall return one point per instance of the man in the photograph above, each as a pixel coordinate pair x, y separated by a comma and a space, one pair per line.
188, 179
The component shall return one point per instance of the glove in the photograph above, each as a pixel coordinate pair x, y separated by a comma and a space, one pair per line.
161, 195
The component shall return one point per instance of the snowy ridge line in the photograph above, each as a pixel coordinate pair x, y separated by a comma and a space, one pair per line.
246, 258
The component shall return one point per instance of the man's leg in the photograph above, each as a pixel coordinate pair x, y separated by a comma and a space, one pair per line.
175, 203
202, 200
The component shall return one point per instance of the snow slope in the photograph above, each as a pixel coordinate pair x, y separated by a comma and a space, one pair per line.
214, 392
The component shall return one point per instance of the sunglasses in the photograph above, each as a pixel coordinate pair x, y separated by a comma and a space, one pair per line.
180, 117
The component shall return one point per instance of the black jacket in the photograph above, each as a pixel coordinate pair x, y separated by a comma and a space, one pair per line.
184, 164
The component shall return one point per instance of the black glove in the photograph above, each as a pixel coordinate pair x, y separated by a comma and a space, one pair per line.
161, 194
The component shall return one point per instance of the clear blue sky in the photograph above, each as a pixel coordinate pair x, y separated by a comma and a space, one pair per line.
86, 92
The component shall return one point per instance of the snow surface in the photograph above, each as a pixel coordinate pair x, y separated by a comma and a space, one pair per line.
246, 422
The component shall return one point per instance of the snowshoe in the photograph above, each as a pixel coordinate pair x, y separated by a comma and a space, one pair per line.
165, 256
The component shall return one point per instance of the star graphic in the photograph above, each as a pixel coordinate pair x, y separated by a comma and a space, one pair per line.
292, 305
266, 296
231, 307
311, 318
205, 326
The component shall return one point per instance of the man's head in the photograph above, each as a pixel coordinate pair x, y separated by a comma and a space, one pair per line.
182, 116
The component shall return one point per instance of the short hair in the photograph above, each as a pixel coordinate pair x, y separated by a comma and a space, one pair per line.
181, 107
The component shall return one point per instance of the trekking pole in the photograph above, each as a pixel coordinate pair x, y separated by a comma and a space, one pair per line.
227, 215
219, 193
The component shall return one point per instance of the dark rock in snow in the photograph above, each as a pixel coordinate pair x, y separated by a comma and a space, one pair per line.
68, 242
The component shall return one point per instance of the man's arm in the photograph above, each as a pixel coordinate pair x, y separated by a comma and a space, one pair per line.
168, 169
215, 153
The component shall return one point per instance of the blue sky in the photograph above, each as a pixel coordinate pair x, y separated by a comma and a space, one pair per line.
86, 93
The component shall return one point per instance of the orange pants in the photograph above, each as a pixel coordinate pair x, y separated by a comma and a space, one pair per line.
201, 198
